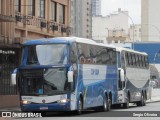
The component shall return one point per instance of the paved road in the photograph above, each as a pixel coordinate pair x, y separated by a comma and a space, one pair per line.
153, 107
150, 110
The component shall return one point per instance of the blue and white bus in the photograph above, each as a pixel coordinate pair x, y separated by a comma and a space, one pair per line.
134, 76
67, 74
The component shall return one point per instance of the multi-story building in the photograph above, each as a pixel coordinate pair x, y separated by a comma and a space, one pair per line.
41, 19
135, 33
150, 24
86, 19
96, 7
8, 53
22, 20
76, 17
112, 28
81, 18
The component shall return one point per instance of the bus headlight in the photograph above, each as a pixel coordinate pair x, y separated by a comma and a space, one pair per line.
63, 101
25, 102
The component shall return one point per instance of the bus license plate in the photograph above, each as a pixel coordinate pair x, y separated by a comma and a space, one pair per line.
43, 108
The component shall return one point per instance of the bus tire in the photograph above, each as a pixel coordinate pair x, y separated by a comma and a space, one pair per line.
144, 103
79, 106
109, 104
43, 113
141, 102
126, 105
105, 104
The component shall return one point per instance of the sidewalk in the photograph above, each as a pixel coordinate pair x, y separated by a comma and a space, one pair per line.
155, 96
16, 109
154, 99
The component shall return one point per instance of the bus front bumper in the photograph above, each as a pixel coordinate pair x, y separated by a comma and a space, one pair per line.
46, 107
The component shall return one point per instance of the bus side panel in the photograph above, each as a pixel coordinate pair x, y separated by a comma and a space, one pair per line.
96, 80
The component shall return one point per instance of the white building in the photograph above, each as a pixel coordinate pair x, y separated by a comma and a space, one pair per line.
111, 28
135, 33
150, 22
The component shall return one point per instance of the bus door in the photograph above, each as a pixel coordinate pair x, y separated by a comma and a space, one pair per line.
121, 82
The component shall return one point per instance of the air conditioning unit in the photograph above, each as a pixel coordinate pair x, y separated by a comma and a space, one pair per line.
63, 29
18, 18
43, 24
55, 27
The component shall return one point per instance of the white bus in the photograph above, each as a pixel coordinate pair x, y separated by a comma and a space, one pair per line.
134, 76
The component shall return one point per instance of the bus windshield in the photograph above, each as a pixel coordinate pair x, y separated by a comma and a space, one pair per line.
43, 81
47, 54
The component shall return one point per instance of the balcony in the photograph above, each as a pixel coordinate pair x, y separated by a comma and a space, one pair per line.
39, 24
5, 18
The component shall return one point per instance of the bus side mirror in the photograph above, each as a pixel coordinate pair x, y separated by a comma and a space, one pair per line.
122, 75
70, 76
13, 77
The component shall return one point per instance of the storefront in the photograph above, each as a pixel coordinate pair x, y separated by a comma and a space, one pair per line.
9, 60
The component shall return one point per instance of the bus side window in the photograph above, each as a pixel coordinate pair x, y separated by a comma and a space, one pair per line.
137, 64
140, 61
146, 61
127, 59
143, 62
114, 61
122, 59
130, 59
134, 60
73, 54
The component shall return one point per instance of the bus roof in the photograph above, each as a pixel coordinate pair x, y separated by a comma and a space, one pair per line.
64, 40
130, 50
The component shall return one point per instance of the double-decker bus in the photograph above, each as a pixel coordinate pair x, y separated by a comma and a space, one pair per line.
66, 74
134, 76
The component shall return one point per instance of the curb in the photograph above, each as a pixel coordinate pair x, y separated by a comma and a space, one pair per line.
152, 101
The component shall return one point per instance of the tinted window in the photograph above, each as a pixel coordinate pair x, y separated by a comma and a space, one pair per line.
92, 54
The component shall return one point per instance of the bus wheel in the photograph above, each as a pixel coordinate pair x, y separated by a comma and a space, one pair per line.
109, 104
141, 102
126, 105
105, 105
80, 107
144, 102
43, 114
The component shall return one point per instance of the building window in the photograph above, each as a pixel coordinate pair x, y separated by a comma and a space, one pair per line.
62, 14
53, 10
17, 5
31, 7
41, 8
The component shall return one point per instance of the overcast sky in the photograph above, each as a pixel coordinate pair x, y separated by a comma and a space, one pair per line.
132, 6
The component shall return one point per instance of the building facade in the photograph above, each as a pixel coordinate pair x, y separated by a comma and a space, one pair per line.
86, 19
41, 19
150, 20
81, 18
135, 33
22, 20
112, 28
96, 7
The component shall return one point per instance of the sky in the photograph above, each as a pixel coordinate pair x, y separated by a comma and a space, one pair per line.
132, 6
